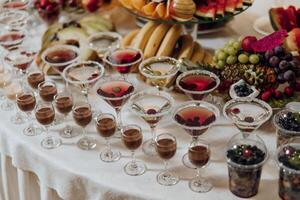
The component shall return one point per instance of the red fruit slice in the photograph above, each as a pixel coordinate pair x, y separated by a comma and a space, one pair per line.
291, 13
230, 6
207, 10
269, 42
292, 42
279, 19
221, 7
298, 17
239, 4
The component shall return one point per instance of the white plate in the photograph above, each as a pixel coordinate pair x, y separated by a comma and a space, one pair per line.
263, 26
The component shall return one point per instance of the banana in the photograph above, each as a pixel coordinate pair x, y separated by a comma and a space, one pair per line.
149, 8
143, 36
138, 4
155, 40
208, 59
161, 10
169, 42
198, 53
129, 37
187, 45
95, 18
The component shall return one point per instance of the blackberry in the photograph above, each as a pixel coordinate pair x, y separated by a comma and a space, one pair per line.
242, 90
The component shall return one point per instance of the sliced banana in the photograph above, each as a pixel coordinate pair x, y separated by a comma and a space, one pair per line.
155, 40
143, 36
149, 8
198, 53
129, 37
187, 46
167, 46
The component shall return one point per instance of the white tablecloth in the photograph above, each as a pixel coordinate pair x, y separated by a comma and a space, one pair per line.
80, 175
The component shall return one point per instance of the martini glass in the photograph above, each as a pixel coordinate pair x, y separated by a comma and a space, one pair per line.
195, 117
11, 39
247, 114
13, 19
104, 42
60, 56
197, 84
20, 59
159, 70
123, 59
115, 91
83, 75
151, 106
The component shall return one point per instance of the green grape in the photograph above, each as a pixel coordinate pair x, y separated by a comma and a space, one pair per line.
215, 59
243, 58
231, 60
220, 64
254, 59
218, 51
231, 42
222, 55
231, 51
237, 45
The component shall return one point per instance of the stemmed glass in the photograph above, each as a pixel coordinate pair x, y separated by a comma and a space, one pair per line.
199, 155
16, 4
151, 106
195, 117
34, 78
106, 127
64, 103
60, 56
45, 115
159, 70
11, 39
247, 114
104, 41
5, 80
26, 102
132, 138
20, 59
115, 91
82, 115
47, 90
166, 146
84, 75
13, 19
123, 59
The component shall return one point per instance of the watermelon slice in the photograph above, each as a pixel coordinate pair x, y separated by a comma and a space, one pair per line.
269, 42
292, 15
207, 10
248, 2
298, 17
279, 19
240, 4
230, 6
221, 7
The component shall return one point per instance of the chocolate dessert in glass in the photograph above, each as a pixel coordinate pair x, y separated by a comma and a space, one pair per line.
47, 90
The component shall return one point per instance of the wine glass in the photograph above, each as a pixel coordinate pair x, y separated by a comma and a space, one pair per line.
82, 115
45, 115
166, 146
34, 78
123, 59
199, 155
47, 90
106, 127
132, 138
26, 102
115, 91
160, 70
64, 103
151, 106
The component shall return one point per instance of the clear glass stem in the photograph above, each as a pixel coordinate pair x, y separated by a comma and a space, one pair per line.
133, 160
29, 115
153, 133
166, 166
119, 117
108, 146
65, 120
198, 175
83, 132
47, 130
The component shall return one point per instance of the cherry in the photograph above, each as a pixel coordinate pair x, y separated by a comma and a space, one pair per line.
247, 153
249, 119
151, 111
288, 150
235, 111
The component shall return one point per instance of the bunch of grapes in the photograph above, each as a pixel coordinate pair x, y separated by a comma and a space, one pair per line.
47, 9
232, 53
285, 66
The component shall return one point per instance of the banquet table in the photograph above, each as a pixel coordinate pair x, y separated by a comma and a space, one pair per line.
29, 172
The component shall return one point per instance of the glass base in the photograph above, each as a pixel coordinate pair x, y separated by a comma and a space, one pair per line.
86, 143
7, 106
67, 132
200, 185
135, 168
50, 142
32, 131
167, 178
2, 96
110, 156
149, 148
19, 118
118, 133
186, 162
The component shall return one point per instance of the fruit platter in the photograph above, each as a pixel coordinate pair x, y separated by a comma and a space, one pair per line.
187, 11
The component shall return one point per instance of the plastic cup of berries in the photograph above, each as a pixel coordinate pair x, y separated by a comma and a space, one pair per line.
245, 160
287, 123
49, 12
288, 159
